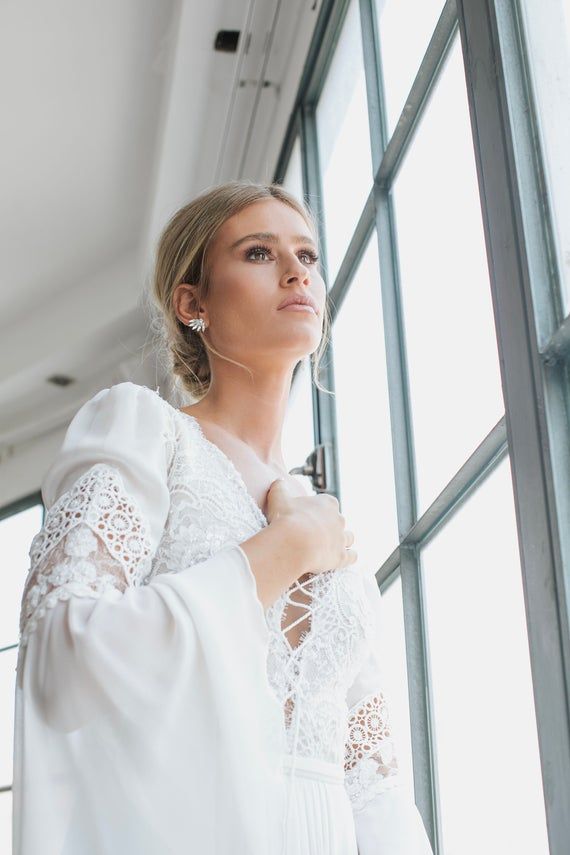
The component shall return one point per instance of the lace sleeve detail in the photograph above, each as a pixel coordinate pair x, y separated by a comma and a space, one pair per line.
370, 761
93, 539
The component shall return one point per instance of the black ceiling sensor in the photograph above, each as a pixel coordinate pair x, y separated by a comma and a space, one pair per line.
60, 379
227, 40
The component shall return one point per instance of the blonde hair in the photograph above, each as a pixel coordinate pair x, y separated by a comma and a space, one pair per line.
180, 257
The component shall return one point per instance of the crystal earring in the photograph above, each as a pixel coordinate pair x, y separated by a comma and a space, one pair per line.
197, 324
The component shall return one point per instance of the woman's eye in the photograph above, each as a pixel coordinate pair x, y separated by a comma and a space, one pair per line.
257, 250
254, 253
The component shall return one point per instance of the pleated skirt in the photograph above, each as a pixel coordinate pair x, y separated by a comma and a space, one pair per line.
320, 819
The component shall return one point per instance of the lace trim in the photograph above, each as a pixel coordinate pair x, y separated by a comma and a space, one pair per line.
93, 539
277, 617
310, 673
310, 587
370, 762
231, 470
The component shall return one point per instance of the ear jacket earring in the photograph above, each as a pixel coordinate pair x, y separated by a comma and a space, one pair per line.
197, 324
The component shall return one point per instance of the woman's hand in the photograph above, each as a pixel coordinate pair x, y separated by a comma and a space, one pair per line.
316, 524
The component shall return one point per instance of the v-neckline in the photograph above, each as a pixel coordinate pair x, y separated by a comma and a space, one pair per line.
230, 465
306, 635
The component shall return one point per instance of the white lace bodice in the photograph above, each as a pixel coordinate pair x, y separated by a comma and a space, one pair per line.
98, 536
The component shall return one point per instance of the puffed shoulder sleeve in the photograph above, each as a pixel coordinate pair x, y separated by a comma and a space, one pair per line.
385, 815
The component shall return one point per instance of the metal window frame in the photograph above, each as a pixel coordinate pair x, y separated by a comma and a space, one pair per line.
20, 505
532, 339
534, 345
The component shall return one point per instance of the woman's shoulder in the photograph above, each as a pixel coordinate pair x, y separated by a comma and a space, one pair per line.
126, 415
126, 391
131, 402
126, 425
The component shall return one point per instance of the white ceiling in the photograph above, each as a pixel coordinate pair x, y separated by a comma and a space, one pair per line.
115, 113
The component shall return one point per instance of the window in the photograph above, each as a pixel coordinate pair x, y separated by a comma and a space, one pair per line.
488, 763
449, 358
298, 427
367, 471
17, 529
344, 141
454, 377
293, 180
548, 41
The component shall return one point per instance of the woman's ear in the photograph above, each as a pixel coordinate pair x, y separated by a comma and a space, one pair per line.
185, 303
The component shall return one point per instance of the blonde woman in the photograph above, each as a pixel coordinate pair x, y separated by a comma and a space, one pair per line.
200, 661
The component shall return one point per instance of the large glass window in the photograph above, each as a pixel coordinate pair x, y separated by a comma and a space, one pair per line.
298, 430
454, 376
365, 454
16, 534
344, 141
8, 687
293, 180
548, 39
298, 427
404, 30
445, 334
488, 763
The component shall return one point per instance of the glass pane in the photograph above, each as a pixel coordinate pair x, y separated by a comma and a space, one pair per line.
6, 822
344, 141
455, 382
397, 679
298, 436
8, 661
547, 33
488, 763
402, 47
363, 417
16, 535
293, 180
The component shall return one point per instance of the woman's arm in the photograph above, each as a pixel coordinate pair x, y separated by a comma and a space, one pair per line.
278, 555
142, 708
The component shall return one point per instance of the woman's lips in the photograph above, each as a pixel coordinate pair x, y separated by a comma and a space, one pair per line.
298, 307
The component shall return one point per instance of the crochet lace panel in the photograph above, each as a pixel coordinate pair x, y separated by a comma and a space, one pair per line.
311, 677
370, 761
93, 538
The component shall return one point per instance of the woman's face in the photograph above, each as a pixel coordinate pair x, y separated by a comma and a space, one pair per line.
259, 257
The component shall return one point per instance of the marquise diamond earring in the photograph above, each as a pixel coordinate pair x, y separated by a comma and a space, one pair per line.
197, 324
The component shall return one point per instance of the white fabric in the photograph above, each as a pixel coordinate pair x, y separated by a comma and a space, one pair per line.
386, 819
320, 818
159, 708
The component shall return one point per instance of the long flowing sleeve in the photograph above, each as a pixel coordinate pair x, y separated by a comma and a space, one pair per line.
143, 721
386, 818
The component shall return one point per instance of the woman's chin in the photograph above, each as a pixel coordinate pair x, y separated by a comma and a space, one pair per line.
302, 342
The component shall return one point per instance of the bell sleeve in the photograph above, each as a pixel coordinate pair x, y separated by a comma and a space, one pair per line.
142, 713
386, 818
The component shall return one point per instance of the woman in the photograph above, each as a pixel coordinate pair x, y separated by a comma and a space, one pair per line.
172, 694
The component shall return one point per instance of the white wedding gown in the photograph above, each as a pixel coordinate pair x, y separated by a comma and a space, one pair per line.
159, 709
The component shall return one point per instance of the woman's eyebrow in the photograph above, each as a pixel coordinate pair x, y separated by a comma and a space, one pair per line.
271, 238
